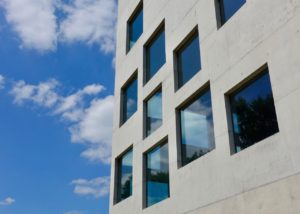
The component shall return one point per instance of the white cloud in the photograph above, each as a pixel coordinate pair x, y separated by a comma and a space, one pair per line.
7, 201
90, 123
97, 187
34, 21
90, 21
2, 81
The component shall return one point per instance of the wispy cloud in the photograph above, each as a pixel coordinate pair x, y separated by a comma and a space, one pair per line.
88, 117
7, 201
38, 26
2, 81
34, 21
74, 212
97, 187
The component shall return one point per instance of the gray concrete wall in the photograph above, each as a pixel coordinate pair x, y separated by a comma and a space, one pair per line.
261, 179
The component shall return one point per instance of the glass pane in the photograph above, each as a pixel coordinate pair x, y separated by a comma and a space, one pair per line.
125, 176
157, 175
130, 100
197, 133
135, 28
156, 55
189, 62
230, 7
154, 113
253, 113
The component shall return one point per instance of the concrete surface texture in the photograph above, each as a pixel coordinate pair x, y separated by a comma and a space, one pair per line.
262, 179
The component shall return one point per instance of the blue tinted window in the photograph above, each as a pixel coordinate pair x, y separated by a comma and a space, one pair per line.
253, 113
229, 8
154, 113
157, 175
155, 55
189, 62
124, 183
129, 100
197, 133
135, 28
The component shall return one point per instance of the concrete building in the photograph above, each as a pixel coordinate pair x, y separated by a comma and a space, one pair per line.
207, 114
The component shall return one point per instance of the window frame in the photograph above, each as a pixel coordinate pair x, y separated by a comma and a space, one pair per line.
133, 16
244, 83
117, 174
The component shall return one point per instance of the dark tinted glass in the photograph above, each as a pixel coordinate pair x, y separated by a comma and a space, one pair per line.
124, 183
129, 100
135, 28
155, 55
253, 113
229, 8
154, 113
197, 133
189, 62
157, 175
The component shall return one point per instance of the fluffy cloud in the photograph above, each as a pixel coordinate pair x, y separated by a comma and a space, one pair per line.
7, 201
97, 187
2, 81
90, 123
90, 21
34, 21
86, 21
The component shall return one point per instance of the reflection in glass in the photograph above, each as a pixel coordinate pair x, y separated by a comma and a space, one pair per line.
253, 113
155, 55
197, 134
154, 113
157, 175
129, 100
229, 8
189, 62
135, 28
124, 184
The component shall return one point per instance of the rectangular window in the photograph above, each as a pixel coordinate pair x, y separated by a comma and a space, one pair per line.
129, 99
157, 175
135, 27
253, 112
154, 112
124, 176
196, 128
228, 8
155, 54
188, 60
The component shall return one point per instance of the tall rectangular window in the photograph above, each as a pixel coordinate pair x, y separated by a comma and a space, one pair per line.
129, 99
154, 112
155, 54
157, 175
135, 27
253, 112
188, 60
124, 176
228, 8
196, 128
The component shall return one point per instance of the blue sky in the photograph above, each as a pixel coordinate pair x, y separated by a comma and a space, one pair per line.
56, 101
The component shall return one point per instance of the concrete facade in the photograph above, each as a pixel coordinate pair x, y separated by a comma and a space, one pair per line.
262, 179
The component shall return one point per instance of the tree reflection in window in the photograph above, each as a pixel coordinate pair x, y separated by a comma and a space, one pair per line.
157, 175
253, 113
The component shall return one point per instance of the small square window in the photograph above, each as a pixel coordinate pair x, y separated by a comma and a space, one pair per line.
196, 128
135, 27
157, 175
228, 8
253, 112
188, 60
155, 54
129, 99
154, 112
124, 176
